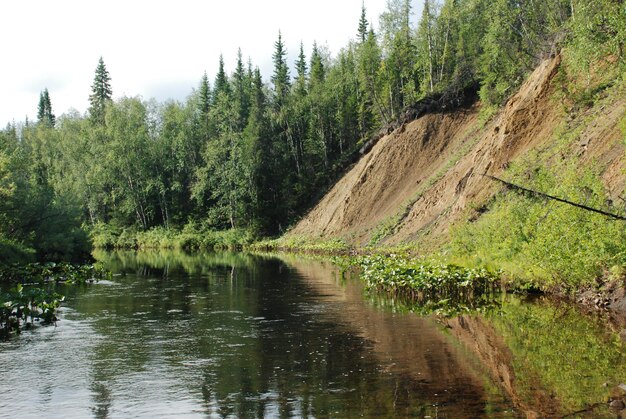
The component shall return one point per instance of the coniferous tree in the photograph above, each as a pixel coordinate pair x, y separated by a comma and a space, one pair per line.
204, 93
221, 81
398, 78
369, 76
301, 68
241, 92
363, 25
203, 107
321, 112
426, 47
101, 93
317, 67
447, 33
280, 77
44, 112
268, 205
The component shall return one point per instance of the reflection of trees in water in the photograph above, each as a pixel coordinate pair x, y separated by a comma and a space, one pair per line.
307, 363
422, 361
568, 352
101, 400
173, 262
253, 336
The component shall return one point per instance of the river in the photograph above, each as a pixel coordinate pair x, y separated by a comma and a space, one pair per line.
240, 335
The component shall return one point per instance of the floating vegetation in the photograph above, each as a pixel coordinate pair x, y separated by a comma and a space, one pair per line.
33, 298
25, 305
53, 272
428, 287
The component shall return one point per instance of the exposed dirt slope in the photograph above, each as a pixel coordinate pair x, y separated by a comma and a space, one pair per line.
421, 178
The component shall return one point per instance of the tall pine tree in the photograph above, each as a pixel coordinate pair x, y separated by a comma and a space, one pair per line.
101, 93
204, 106
363, 25
280, 78
301, 67
221, 81
204, 103
44, 111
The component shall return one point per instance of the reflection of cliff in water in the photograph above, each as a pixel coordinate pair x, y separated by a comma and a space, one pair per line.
481, 338
551, 359
314, 338
547, 358
440, 372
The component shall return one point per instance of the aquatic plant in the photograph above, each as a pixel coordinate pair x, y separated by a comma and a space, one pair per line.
425, 286
52, 272
33, 297
22, 303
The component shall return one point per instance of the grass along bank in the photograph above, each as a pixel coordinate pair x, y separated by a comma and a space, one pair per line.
192, 238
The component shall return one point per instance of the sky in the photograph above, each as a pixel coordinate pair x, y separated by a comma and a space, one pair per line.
153, 49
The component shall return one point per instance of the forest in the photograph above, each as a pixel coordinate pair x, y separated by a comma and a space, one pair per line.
249, 155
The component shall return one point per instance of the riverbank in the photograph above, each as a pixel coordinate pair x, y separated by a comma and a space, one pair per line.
399, 270
603, 292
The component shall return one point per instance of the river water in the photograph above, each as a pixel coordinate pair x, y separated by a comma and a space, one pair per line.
237, 335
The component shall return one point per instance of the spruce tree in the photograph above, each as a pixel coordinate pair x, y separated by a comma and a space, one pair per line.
301, 67
425, 47
318, 72
204, 106
241, 87
363, 25
221, 82
204, 96
44, 111
280, 78
101, 93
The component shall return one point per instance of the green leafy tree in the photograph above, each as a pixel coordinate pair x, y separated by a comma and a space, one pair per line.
128, 166
369, 69
426, 47
598, 30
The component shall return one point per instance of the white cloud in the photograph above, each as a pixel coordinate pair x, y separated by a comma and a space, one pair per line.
152, 48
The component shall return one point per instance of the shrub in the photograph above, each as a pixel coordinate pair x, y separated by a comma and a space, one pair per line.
543, 242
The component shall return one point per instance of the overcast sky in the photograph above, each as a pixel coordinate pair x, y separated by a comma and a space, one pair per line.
154, 49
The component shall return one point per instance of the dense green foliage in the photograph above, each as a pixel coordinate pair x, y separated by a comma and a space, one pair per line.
20, 303
52, 272
432, 287
246, 154
191, 237
543, 242
38, 216
44, 110
293, 243
575, 357
33, 297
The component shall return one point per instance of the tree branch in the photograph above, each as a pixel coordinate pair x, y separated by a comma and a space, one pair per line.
513, 186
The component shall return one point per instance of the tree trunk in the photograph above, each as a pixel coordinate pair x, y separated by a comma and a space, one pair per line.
429, 38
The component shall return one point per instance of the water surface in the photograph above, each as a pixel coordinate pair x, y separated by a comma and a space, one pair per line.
236, 335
